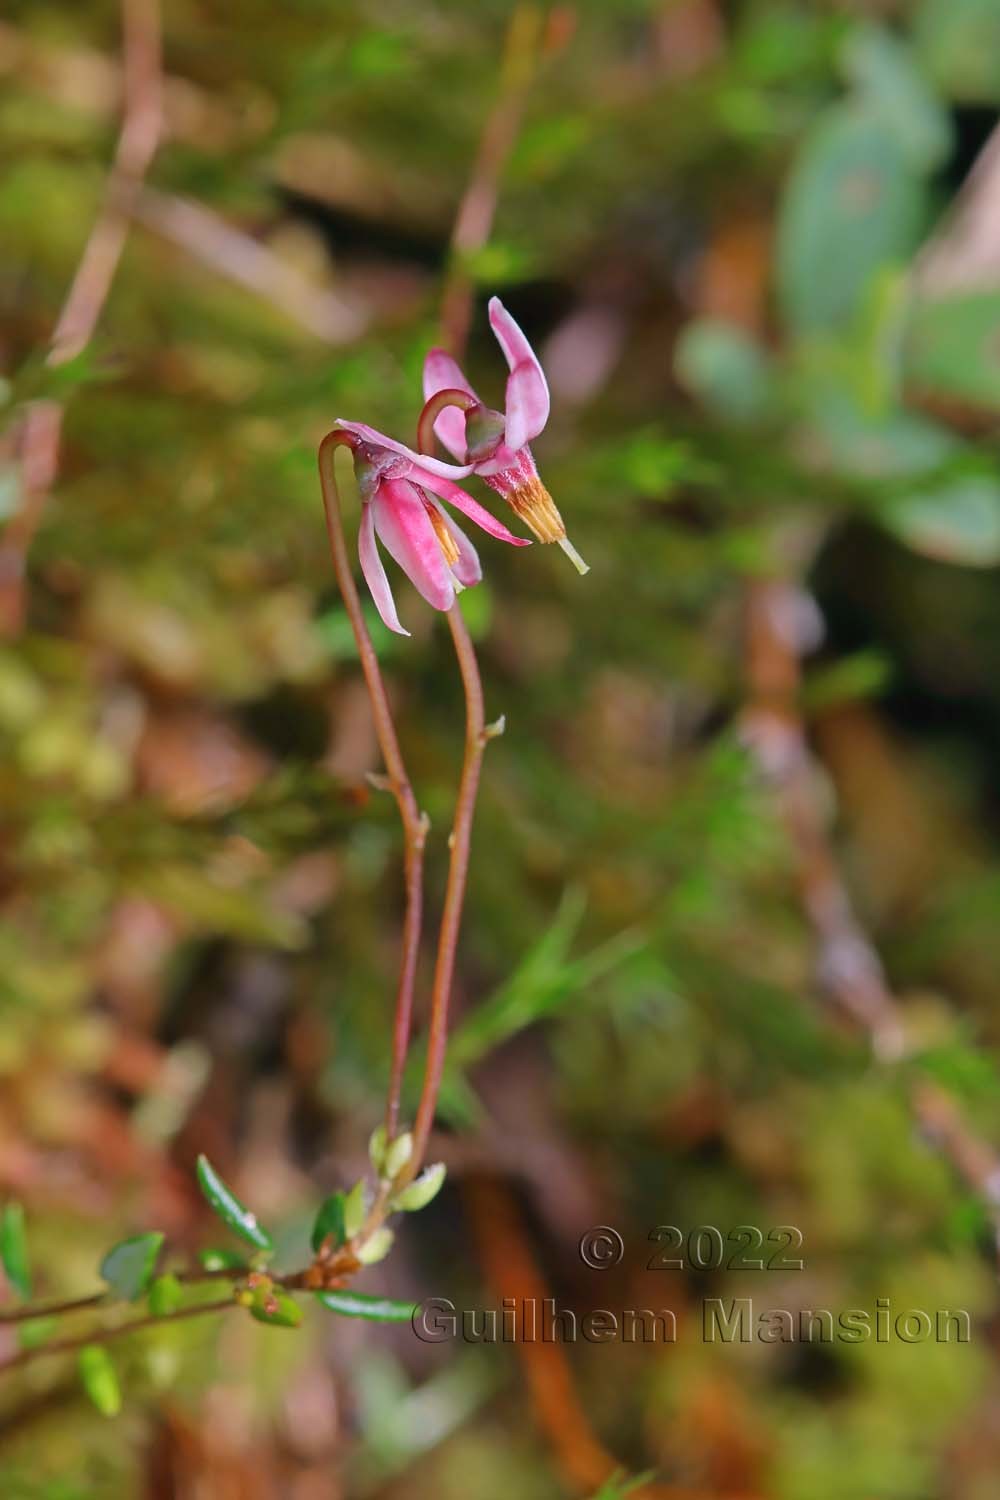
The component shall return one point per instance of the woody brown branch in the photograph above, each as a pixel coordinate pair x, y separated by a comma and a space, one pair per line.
41, 429
848, 965
477, 208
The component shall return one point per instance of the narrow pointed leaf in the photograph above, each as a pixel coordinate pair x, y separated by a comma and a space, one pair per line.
376, 1148
100, 1379
422, 1189
360, 1305
129, 1266
330, 1221
14, 1249
229, 1208
355, 1208
376, 1247
397, 1154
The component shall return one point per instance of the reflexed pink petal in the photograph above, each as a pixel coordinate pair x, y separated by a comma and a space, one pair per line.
374, 572
379, 440
469, 507
527, 388
404, 528
467, 569
441, 373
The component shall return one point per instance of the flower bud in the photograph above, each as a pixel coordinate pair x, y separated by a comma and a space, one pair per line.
422, 1189
376, 1148
375, 1248
355, 1208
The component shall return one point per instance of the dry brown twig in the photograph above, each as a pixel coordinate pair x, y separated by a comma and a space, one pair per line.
240, 258
848, 966
476, 211
413, 821
41, 429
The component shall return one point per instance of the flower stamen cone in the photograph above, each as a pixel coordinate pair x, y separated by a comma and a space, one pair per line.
534, 505
531, 502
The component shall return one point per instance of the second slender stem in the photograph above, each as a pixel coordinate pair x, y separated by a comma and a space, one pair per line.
433, 407
105, 1335
414, 824
451, 917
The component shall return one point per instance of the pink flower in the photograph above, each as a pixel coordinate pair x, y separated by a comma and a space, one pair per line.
401, 493
494, 444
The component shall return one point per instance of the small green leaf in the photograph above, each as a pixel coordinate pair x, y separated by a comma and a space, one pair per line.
956, 521
129, 1266
229, 1208
14, 1249
358, 1305
398, 1153
276, 1308
376, 1148
422, 1189
330, 1221
216, 1259
165, 1296
952, 348
883, 71
355, 1208
376, 1248
100, 1379
853, 204
728, 372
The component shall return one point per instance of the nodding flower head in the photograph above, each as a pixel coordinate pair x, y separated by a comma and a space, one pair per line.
401, 494
494, 444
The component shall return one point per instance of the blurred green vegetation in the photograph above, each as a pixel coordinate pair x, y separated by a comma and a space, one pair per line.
773, 348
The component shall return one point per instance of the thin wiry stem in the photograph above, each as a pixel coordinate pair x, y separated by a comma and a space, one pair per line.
118, 1331
476, 738
414, 823
33, 1311
41, 430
